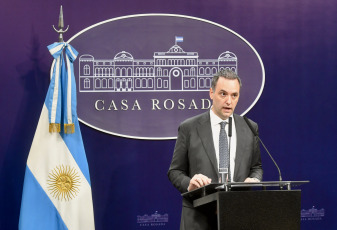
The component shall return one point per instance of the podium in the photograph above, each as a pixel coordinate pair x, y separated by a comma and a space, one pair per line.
246, 206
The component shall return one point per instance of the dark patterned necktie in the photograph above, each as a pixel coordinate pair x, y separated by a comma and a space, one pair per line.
223, 151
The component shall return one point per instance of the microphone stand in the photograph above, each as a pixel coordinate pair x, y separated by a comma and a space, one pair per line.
256, 135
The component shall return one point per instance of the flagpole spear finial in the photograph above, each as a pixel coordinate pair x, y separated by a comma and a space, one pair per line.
60, 31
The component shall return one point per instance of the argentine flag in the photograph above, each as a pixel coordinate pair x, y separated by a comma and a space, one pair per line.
57, 190
179, 39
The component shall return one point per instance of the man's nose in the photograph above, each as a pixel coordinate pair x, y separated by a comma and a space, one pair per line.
228, 100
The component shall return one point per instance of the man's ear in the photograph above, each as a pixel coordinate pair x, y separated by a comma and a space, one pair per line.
211, 93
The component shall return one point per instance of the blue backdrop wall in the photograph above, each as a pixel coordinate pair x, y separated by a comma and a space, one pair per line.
297, 41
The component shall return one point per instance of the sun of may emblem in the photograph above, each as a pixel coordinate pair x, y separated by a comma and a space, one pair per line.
63, 183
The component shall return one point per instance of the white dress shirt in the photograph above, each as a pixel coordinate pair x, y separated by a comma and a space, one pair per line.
215, 125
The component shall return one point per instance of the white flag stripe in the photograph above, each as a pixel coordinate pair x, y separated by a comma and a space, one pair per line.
47, 152
69, 89
56, 49
179, 39
52, 69
55, 93
72, 53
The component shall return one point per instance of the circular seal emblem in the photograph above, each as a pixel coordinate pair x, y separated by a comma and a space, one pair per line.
63, 183
140, 76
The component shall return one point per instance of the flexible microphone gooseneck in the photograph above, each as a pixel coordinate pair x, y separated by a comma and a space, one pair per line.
255, 134
229, 127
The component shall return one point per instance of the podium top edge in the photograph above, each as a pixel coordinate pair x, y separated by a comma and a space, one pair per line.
216, 186
270, 182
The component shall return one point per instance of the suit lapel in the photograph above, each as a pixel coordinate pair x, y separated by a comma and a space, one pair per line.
205, 133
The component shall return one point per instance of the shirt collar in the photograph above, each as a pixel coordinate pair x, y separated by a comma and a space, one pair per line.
215, 120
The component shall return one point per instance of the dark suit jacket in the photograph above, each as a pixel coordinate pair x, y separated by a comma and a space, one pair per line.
194, 153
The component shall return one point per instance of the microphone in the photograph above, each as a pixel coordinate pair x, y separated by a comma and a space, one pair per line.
229, 145
255, 134
229, 126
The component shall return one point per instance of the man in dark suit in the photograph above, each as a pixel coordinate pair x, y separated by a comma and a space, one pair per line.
195, 158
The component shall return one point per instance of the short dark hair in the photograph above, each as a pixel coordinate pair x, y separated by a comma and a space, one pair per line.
225, 73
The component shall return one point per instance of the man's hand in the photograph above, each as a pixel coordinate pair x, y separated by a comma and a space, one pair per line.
249, 179
197, 181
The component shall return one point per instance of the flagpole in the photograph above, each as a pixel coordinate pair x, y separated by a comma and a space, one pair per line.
60, 31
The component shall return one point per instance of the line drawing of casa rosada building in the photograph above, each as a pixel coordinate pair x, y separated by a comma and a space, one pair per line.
174, 70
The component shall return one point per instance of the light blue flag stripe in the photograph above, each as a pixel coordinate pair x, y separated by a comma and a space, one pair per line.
179, 39
50, 93
70, 88
64, 76
73, 85
42, 212
56, 49
75, 145
71, 56
71, 52
73, 96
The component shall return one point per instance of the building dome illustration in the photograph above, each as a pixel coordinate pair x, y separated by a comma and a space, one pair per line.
123, 56
176, 49
227, 56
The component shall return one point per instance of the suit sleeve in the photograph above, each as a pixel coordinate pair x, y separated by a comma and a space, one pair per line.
179, 169
256, 165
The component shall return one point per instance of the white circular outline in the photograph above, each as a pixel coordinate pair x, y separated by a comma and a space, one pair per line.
175, 73
180, 16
